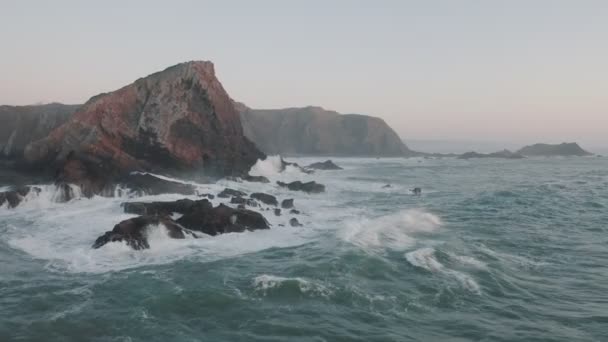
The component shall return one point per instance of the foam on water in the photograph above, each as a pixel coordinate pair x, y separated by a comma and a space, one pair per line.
425, 258
394, 231
266, 283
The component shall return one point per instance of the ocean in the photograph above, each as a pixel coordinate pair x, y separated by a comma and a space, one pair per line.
493, 250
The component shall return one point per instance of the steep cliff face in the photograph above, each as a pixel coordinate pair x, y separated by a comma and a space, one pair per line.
177, 119
315, 131
20, 125
548, 150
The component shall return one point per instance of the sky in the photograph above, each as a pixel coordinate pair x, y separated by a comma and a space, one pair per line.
504, 71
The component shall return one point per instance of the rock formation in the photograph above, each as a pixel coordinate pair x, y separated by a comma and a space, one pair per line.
547, 150
179, 119
316, 131
20, 125
326, 165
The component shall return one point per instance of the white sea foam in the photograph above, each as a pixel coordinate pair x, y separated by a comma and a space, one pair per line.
395, 231
266, 282
425, 258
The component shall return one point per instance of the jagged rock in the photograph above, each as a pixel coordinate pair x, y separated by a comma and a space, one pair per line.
295, 223
310, 187
294, 211
265, 198
227, 193
244, 201
146, 184
256, 179
12, 198
163, 208
285, 164
277, 212
222, 219
179, 119
134, 232
326, 165
287, 203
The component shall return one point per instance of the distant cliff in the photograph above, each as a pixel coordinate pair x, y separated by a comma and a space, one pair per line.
316, 131
547, 150
23, 124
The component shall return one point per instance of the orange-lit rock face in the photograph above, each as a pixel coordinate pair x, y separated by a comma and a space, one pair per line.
180, 118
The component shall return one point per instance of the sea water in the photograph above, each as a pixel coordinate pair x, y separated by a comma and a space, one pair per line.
493, 250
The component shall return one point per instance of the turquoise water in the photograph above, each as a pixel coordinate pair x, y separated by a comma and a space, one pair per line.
494, 250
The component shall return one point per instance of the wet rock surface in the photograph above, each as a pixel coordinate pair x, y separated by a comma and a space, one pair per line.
309, 187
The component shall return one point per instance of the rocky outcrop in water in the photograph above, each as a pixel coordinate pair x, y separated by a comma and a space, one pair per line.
21, 125
310, 187
197, 216
326, 165
179, 119
265, 198
548, 150
14, 197
134, 232
316, 131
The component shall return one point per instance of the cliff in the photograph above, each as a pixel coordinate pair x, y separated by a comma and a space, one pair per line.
316, 131
177, 119
20, 125
548, 150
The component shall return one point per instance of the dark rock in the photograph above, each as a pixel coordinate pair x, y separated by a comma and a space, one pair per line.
387, 186
294, 211
287, 203
295, 223
164, 208
285, 164
244, 201
134, 232
147, 184
14, 197
277, 212
265, 198
222, 219
256, 179
326, 165
310, 187
416, 191
227, 193
209, 196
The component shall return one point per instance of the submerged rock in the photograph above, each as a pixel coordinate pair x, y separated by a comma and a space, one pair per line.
134, 232
277, 212
256, 179
287, 203
12, 198
294, 211
265, 198
310, 187
244, 201
227, 193
295, 223
326, 165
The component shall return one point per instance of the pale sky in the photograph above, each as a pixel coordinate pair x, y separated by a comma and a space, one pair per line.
512, 70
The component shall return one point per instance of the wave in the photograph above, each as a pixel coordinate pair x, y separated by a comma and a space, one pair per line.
272, 167
425, 258
393, 231
266, 283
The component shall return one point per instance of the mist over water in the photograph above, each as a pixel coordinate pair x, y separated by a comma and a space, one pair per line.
497, 250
